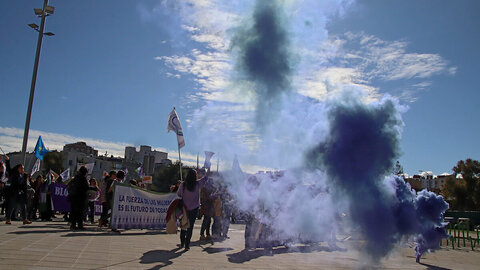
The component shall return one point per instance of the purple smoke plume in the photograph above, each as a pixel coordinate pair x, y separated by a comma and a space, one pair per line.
350, 147
358, 156
264, 56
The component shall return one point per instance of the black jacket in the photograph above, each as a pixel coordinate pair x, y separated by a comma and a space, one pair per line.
77, 189
17, 183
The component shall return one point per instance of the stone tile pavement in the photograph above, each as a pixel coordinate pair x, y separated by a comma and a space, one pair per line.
51, 245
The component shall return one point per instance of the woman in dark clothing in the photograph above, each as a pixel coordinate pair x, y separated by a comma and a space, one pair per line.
36, 198
18, 191
189, 190
77, 195
44, 200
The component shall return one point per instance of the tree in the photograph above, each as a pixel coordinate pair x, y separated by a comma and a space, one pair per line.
464, 193
53, 161
167, 176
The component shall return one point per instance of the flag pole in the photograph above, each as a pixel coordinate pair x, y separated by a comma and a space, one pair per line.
180, 158
2, 151
198, 166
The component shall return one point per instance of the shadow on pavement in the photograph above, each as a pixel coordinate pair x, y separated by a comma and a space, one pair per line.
212, 250
37, 231
247, 255
92, 232
433, 267
160, 256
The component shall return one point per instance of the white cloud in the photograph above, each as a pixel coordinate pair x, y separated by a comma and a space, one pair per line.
11, 140
389, 60
371, 60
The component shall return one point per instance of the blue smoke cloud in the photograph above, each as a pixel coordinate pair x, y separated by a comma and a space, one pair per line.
349, 159
358, 156
264, 56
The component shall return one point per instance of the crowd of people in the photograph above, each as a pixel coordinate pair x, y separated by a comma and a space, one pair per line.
26, 197
29, 199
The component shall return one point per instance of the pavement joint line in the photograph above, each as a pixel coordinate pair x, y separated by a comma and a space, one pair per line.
50, 252
11, 239
83, 250
34, 242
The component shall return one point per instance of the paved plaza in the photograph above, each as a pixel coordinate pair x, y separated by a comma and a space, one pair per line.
51, 245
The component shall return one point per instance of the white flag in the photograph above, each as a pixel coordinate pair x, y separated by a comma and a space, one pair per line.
208, 156
54, 174
65, 174
89, 167
174, 124
36, 166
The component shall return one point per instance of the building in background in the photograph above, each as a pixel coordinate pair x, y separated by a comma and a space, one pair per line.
427, 180
79, 153
80, 147
151, 159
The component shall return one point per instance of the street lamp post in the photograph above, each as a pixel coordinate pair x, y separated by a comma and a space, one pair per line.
43, 13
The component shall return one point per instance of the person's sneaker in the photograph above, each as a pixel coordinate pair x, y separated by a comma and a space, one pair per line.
8, 221
208, 237
26, 221
202, 238
187, 248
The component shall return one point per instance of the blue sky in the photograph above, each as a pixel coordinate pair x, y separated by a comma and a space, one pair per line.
114, 70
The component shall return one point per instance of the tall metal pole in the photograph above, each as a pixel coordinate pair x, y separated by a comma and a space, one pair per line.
180, 159
34, 79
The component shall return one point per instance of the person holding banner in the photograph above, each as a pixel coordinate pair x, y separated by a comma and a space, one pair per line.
189, 190
106, 197
18, 180
93, 194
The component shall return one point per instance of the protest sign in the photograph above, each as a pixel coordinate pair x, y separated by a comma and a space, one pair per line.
136, 208
59, 194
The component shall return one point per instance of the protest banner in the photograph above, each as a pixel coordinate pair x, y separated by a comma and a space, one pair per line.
59, 194
136, 208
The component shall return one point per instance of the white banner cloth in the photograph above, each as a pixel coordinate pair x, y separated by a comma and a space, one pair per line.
136, 208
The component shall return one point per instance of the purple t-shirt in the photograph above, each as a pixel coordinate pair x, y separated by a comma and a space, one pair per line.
191, 199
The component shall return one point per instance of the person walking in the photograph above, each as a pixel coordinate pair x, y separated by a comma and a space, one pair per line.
189, 190
18, 188
77, 195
